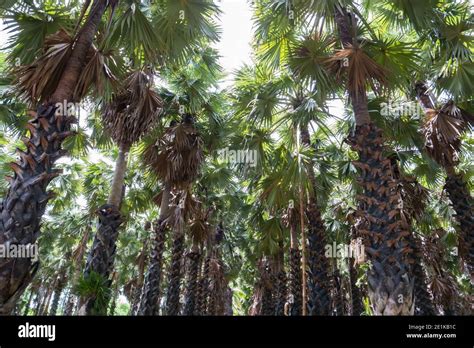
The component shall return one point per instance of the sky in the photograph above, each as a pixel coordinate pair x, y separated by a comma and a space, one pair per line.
234, 46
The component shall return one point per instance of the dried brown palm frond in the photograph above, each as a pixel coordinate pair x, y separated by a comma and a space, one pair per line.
183, 207
291, 216
177, 156
79, 251
217, 287
441, 282
354, 66
442, 131
37, 82
414, 196
96, 73
133, 110
199, 227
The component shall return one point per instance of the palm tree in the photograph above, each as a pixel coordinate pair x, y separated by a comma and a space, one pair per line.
132, 112
295, 290
175, 158
199, 229
24, 204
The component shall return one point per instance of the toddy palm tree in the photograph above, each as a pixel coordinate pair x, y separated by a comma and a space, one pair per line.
24, 204
133, 111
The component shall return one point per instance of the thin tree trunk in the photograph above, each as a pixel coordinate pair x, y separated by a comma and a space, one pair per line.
69, 307
45, 307
102, 254
192, 281
281, 289
60, 283
175, 273
318, 279
203, 288
28, 303
357, 305
141, 274
25, 203
150, 295
116, 189
463, 204
304, 262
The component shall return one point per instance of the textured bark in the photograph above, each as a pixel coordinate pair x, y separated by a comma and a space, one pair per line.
175, 274
25, 202
423, 299
149, 304
203, 289
456, 187
379, 220
280, 282
295, 288
463, 204
142, 259
281, 293
218, 286
318, 280
357, 306
102, 254
337, 293
191, 288
381, 226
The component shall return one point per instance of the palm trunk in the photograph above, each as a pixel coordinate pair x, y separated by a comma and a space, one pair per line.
175, 274
39, 300
217, 287
113, 304
281, 289
463, 204
456, 187
141, 274
60, 284
151, 289
228, 302
28, 303
337, 293
295, 291
379, 219
191, 288
102, 254
45, 305
203, 289
70, 302
318, 280
25, 203
357, 306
